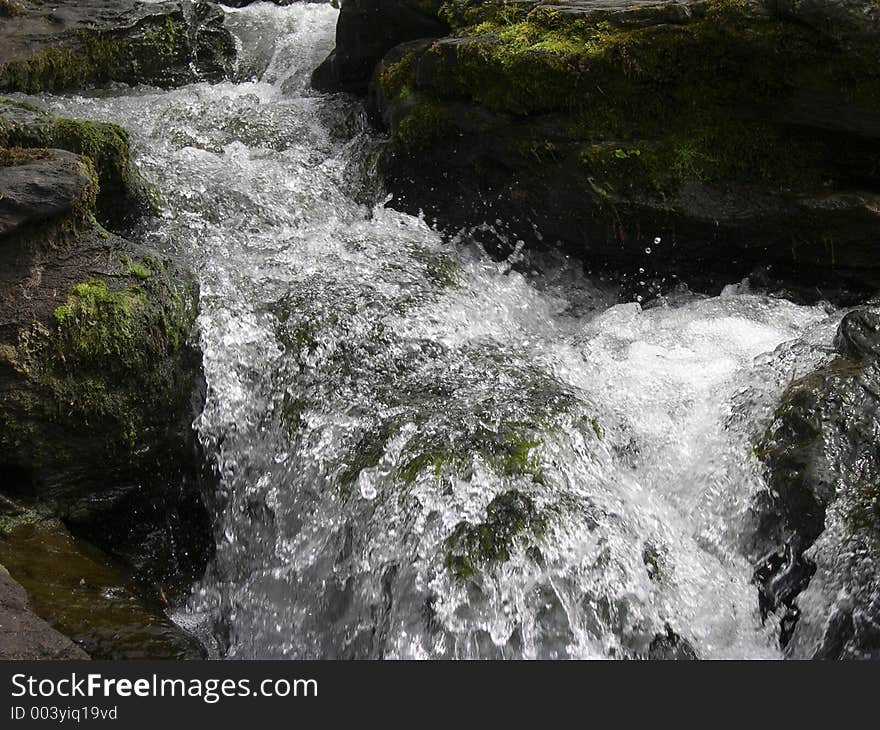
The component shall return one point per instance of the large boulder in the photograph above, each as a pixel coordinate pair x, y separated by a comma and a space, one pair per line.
740, 133
366, 31
99, 377
68, 44
818, 530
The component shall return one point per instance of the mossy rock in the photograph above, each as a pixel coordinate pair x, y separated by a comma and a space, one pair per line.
43, 186
100, 378
606, 127
820, 515
123, 193
510, 517
128, 42
366, 31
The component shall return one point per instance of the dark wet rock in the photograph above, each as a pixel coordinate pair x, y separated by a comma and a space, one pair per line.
48, 184
23, 634
671, 647
859, 335
842, 19
99, 379
818, 524
84, 595
69, 44
366, 31
741, 134
123, 194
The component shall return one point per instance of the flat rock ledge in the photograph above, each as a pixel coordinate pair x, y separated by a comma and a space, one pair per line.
23, 634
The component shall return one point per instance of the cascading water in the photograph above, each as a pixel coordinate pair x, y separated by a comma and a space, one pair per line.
424, 453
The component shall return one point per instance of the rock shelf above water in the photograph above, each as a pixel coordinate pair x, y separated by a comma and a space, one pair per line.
742, 134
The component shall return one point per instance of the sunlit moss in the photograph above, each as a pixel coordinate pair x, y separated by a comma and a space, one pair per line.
13, 156
474, 546
647, 108
121, 190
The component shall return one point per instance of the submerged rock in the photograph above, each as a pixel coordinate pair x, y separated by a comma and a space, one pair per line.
65, 44
818, 533
23, 634
507, 517
99, 379
80, 592
671, 647
739, 133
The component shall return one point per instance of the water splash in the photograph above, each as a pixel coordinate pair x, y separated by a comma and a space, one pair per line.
424, 453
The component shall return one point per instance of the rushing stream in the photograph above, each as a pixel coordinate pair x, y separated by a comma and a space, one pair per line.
424, 452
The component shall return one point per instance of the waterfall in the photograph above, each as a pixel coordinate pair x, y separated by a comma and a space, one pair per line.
424, 452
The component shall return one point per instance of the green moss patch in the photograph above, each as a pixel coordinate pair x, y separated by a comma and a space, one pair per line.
122, 191
10, 157
96, 58
111, 361
424, 126
509, 516
14, 515
645, 108
96, 321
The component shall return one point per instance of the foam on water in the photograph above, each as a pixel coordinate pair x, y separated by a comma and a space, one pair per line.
374, 391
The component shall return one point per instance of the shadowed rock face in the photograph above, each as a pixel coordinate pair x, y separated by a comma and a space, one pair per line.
742, 134
818, 535
367, 30
67, 44
23, 634
99, 378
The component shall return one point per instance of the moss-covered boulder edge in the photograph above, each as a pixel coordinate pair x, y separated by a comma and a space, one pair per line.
72, 45
100, 373
742, 134
123, 195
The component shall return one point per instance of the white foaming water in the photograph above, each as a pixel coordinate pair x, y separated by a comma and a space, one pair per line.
422, 452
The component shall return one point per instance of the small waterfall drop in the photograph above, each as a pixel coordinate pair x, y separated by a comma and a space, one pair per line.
424, 453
